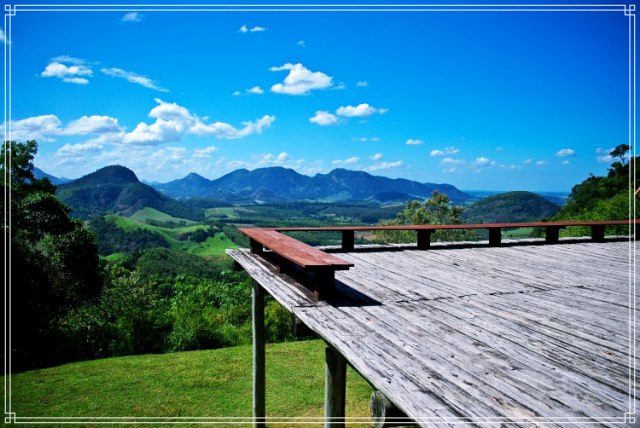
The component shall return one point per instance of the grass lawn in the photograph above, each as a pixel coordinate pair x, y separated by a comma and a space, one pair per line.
213, 383
147, 213
214, 246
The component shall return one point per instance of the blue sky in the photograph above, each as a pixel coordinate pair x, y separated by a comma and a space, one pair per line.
484, 100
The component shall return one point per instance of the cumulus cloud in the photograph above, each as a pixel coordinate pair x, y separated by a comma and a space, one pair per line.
483, 162
385, 165
450, 150
350, 161
362, 84
300, 80
301, 43
565, 152
224, 130
376, 157
76, 73
132, 17
451, 161
414, 142
257, 29
3, 38
75, 150
361, 110
36, 128
132, 77
92, 125
204, 153
256, 90
542, 163
604, 159
324, 118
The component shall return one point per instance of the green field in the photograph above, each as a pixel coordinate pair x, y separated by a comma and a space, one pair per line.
212, 383
147, 215
213, 247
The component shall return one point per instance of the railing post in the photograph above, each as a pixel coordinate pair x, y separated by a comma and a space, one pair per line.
324, 284
424, 238
495, 236
597, 233
255, 246
348, 240
553, 234
335, 388
259, 412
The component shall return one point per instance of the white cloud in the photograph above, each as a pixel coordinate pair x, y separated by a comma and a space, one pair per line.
362, 84
256, 90
527, 161
75, 150
162, 131
385, 165
172, 112
565, 152
375, 139
604, 158
542, 163
133, 78
324, 118
284, 156
3, 38
36, 128
204, 153
361, 110
224, 130
414, 142
601, 151
376, 157
483, 162
350, 161
257, 29
92, 125
451, 161
68, 73
450, 150
300, 80
565, 162
132, 17
301, 43
237, 93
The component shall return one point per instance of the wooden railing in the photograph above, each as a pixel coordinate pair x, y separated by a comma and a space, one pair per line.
424, 232
322, 265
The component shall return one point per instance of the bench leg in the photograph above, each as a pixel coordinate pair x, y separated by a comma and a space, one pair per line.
335, 388
495, 236
255, 246
385, 414
348, 240
259, 412
324, 284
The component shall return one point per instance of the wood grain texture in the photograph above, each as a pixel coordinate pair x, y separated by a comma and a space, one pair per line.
485, 335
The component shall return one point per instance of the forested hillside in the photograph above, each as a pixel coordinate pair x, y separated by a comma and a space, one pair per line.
511, 207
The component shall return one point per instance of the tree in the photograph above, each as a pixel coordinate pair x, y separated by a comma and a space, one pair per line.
437, 210
53, 261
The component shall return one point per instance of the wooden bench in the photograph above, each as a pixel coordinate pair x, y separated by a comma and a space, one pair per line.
495, 230
290, 250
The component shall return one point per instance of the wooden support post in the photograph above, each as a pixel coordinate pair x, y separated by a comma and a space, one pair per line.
553, 234
335, 388
348, 240
424, 238
324, 284
385, 414
255, 246
495, 236
300, 329
597, 233
258, 356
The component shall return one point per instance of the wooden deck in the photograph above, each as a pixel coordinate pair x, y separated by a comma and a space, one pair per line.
484, 335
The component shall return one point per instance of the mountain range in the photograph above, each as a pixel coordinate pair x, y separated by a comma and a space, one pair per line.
277, 184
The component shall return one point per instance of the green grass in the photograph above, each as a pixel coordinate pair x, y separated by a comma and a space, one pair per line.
212, 383
116, 257
222, 212
213, 247
146, 214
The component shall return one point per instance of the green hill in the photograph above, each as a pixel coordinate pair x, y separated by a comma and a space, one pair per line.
213, 383
116, 189
511, 207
